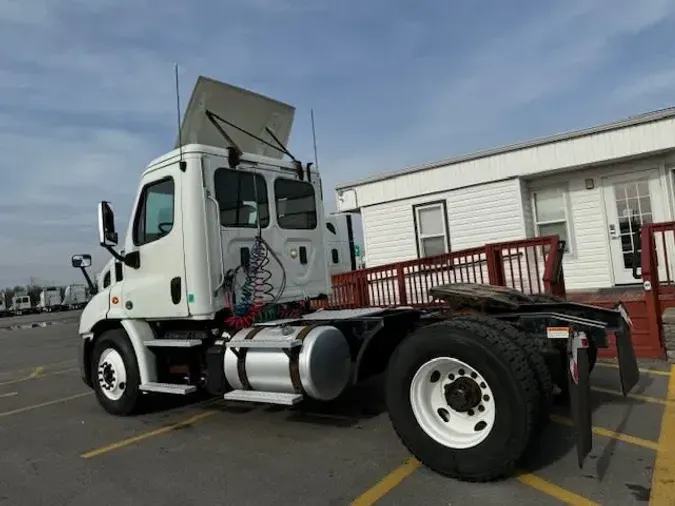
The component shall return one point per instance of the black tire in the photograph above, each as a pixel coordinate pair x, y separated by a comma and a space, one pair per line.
532, 346
505, 369
130, 401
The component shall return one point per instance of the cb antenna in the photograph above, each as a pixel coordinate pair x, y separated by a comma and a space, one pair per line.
316, 155
181, 162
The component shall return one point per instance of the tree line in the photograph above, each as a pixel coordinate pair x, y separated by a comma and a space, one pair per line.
33, 291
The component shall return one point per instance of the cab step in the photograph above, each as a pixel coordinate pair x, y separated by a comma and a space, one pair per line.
263, 397
168, 388
173, 343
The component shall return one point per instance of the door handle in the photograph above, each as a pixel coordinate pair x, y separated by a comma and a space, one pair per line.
613, 233
221, 278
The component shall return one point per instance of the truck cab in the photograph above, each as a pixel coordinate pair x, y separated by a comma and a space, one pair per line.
21, 304
195, 222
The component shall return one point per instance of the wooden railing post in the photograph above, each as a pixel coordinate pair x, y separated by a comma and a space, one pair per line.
554, 275
495, 264
400, 278
650, 280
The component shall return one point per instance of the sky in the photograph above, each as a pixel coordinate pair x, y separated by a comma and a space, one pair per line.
87, 94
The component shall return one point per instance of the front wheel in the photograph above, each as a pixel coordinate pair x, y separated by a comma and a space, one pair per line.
463, 399
115, 374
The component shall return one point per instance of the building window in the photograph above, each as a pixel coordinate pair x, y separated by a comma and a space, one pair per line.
431, 227
551, 214
241, 196
296, 204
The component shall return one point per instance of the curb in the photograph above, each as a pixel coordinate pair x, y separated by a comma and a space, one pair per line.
34, 325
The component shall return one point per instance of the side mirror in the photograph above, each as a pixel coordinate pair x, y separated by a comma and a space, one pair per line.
81, 261
106, 225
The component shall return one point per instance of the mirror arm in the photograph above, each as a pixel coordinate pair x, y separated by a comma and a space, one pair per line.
93, 289
132, 259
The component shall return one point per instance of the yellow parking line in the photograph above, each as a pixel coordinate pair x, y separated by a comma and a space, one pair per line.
386, 484
553, 490
146, 435
36, 375
42, 404
47, 366
619, 436
657, 372
637, 397
36, 372
663, 485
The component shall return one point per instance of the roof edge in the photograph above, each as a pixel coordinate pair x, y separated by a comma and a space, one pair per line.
640, 119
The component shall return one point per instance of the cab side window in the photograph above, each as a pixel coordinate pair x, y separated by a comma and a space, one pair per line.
242, 198
296, 204
106, 280
155, 215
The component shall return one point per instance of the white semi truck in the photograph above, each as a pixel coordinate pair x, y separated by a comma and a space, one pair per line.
21, 304
50, 299
74, 297
4, 310
204, 298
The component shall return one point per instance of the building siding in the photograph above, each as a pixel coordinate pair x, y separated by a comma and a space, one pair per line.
528, 216
530, 162
589, 265
476, 215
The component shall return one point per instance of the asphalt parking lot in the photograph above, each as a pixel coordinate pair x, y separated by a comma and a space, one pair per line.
28, 319
58, 447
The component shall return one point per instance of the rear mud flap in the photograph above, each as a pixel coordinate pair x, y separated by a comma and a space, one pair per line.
578, 376
628, 366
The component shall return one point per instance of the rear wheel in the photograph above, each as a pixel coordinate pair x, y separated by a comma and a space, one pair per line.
530, 344
115, 375
462, 399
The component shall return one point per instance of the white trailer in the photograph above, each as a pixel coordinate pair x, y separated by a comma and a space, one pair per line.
344, 234
74, 297
208, 298
50, 299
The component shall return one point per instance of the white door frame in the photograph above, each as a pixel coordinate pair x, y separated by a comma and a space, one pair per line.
622, 275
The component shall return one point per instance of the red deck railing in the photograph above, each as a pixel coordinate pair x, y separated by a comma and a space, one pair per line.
530, 265
658, 273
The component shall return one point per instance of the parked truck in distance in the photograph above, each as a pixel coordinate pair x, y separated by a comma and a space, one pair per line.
21, 304
74, 297
4, 310
202, 297
50, 300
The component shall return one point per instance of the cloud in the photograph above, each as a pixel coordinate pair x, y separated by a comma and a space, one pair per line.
89, 99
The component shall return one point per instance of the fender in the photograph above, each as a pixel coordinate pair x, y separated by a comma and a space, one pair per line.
138, 332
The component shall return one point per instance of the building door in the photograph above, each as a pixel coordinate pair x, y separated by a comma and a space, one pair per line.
632, 200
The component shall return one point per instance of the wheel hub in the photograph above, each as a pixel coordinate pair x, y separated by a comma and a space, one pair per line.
452, 402
108, 375
112, 374
462, 395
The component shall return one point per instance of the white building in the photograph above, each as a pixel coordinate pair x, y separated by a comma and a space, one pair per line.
583, 185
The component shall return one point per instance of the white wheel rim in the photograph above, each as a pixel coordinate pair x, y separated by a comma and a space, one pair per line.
461, 429
112, 375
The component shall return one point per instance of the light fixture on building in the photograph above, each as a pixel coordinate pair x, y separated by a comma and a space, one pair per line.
590, 184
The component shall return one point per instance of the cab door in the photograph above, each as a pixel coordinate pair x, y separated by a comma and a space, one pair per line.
157, 288
298, 212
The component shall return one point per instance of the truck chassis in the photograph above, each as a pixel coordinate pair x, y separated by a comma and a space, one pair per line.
469, 382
